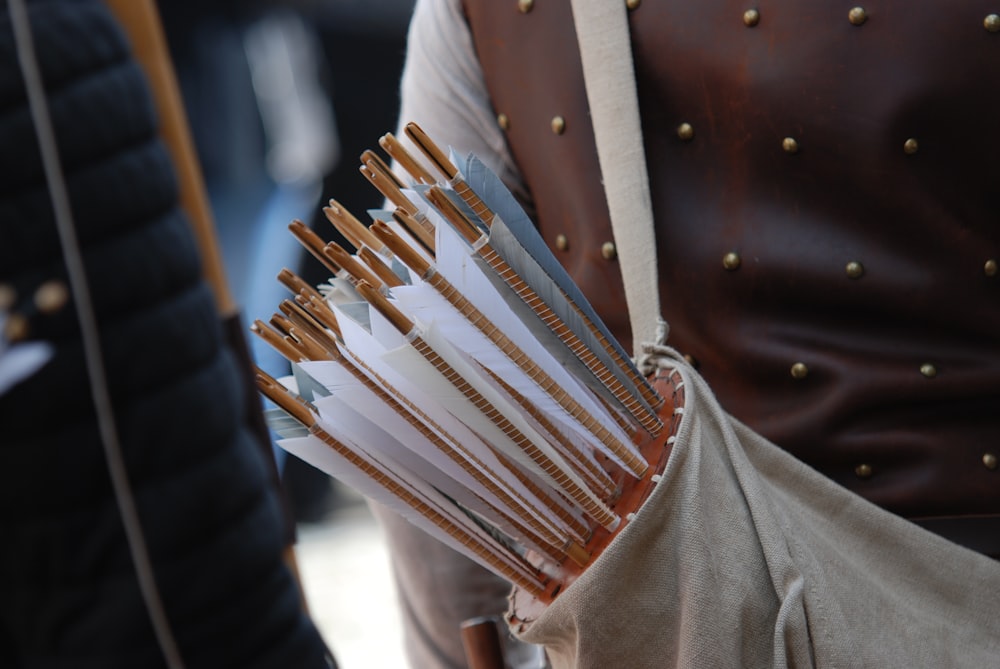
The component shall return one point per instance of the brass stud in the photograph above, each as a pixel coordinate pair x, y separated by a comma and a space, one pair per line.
790, 145
990, 461
691, 360
8, 297
928, 370
558, 125
731, 261
525, 5
857, 16
990, 268
632, 4
854, 269
863, 471
609, 251
992, 23
16, 327
503, 121
910, 146
751, 17
561, 242
51, 296
799, 371
685, 131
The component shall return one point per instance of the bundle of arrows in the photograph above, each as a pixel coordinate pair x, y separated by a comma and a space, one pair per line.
451, 370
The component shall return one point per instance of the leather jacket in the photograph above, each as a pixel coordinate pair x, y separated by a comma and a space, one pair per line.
826, 189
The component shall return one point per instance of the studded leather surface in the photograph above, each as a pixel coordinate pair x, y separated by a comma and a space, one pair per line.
921, 219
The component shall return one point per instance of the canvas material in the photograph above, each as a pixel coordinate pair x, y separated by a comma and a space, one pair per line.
602, 32
745, 557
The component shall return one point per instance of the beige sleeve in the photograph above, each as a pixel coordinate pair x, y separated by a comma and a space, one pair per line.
443, 89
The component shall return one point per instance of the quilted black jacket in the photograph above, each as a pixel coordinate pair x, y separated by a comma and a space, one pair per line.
68, 592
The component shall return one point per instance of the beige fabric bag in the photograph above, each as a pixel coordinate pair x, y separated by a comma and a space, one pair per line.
743, 556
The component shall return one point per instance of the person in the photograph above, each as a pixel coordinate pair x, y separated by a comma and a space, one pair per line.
70, 586
825, 187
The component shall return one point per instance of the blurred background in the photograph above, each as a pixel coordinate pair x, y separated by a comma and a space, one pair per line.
282, 97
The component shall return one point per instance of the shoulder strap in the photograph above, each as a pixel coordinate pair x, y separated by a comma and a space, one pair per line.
603, 35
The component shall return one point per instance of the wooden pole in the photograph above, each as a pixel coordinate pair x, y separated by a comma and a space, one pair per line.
481, 642
141, 21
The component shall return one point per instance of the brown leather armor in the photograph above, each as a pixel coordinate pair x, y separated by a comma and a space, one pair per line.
826, 186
